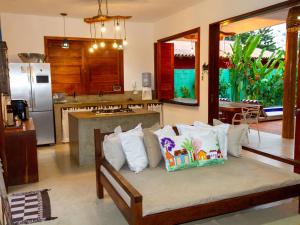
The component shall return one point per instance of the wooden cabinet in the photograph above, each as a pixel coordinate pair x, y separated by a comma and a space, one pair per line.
4, 73
77, 70
21, 154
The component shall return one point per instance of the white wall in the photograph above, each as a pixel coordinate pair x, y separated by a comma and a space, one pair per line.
201, 15
25, 33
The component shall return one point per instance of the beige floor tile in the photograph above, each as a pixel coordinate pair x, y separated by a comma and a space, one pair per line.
74, 202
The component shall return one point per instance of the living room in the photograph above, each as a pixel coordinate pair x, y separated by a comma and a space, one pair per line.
107, 70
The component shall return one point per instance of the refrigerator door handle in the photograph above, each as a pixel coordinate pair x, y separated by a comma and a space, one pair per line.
33, 92
30, 90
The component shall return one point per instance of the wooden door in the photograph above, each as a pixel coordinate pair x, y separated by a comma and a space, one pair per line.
297, 134
164, 64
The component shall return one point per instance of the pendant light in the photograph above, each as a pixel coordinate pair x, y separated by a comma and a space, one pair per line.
65, 43
102, 18
91, 49
125, 35
115, 44
102, 43
95, 45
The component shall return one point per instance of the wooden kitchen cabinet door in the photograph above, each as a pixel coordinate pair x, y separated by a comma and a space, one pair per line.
66, 67
77, 70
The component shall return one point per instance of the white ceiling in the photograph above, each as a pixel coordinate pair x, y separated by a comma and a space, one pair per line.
141, 10
258, 22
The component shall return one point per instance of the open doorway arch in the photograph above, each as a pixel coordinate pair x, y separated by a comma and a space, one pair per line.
214, 46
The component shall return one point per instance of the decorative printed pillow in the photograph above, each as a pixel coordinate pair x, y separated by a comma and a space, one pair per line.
222, 132
206, 148
178, 152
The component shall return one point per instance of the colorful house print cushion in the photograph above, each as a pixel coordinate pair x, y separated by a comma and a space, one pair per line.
177, 152
206, 148
204, 129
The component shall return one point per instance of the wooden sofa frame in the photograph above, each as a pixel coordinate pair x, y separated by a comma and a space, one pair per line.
133, 213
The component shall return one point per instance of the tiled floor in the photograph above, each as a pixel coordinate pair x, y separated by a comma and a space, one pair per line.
74, 201
274, 127
272, 143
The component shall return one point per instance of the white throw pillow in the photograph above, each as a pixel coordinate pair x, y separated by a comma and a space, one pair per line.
112, 149
222, 133
167, 130
237, 136
134, 149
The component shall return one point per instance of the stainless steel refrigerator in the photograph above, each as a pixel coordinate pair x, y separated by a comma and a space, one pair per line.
32, 82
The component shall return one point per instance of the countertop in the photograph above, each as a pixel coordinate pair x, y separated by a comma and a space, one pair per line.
103, 102
91, 115
27, 126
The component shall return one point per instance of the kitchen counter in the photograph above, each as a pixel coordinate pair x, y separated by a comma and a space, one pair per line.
82, 125
81, 104
91, 115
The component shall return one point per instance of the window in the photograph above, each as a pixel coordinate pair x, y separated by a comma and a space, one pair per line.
177, 73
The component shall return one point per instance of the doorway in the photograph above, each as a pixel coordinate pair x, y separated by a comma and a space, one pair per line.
214, 59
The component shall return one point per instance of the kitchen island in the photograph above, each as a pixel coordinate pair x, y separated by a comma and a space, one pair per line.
82, 125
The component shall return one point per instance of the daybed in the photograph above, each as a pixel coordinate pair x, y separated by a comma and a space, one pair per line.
158, 197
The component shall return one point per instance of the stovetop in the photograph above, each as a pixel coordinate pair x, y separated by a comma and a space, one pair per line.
111, 111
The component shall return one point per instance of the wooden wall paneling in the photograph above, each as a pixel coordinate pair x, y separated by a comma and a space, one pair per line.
77, 70
66, 67
104, 70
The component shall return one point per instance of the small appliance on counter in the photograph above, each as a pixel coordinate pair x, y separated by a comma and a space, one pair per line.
20, 109
146, 86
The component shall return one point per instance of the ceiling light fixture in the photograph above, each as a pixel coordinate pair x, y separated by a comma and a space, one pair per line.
65, 43
298, 17
102, 18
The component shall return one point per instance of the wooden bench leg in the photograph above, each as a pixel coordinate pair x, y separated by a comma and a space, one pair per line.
99, 186
299, 205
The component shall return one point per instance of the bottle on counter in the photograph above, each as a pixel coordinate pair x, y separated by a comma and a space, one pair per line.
18, 121
10, 116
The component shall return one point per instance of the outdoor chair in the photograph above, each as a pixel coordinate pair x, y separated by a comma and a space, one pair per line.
249, 115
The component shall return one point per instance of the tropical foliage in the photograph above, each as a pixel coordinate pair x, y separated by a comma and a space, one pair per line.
254, 78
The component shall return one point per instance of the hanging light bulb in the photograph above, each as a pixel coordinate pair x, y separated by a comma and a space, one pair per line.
65, 43
102, 44
95, 46
91, 50
117, 27
120, 47
115, 45
103, 28
125, 43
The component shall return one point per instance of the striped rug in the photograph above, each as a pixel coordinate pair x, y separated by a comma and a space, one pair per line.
30, 207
